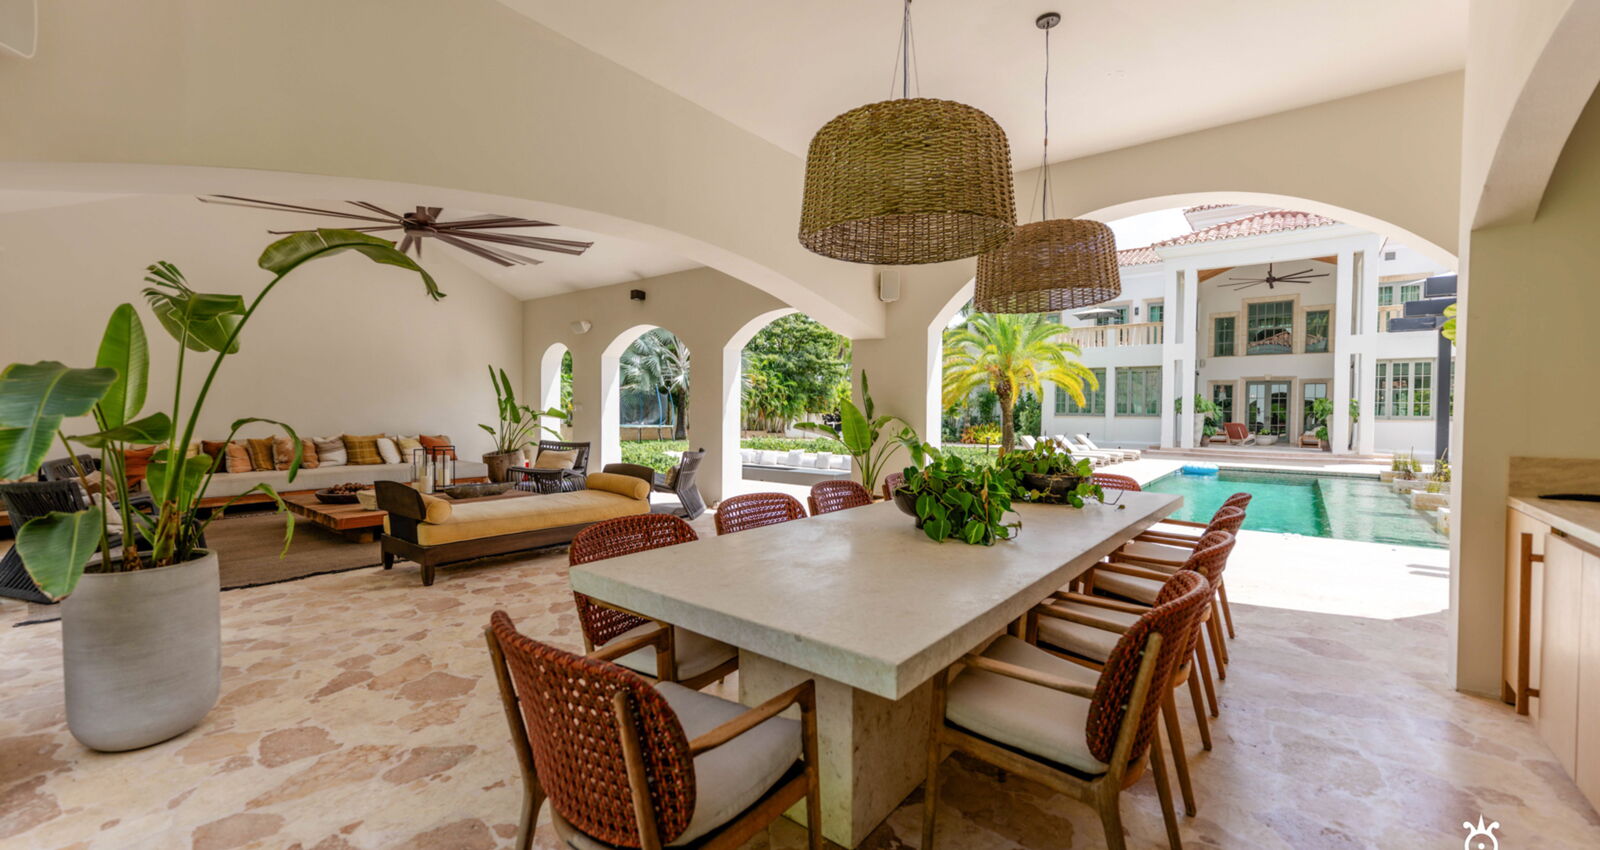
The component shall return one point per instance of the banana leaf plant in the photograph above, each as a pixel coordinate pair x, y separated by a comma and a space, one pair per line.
36, 399
518, 423
861, 432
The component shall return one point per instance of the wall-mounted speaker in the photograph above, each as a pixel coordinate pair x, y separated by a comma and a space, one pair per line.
889, 286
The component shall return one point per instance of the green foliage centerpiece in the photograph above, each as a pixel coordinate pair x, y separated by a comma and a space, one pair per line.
1048, 473
952, 498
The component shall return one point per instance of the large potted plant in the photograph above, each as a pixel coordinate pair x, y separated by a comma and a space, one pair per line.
1321, 410
141, 627
861, 435
950, 498
517, 426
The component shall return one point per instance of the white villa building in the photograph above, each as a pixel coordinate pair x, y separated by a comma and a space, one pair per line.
1198, 315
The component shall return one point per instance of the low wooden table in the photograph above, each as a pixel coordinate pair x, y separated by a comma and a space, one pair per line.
356, 522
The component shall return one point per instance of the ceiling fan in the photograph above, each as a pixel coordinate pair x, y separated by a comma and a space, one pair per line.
476, 236
1272, 280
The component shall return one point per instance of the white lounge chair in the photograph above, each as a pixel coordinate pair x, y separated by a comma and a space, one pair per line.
1127, 454
1116, 455
1027, 442
1097, 458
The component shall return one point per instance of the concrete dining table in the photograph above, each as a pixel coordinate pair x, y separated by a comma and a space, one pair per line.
865, 604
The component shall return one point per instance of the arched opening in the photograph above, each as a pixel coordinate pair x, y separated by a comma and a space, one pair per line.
645, 397
782, 368
555, 386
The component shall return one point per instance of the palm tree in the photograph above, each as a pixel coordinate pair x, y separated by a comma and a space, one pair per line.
1010, 354
658, 362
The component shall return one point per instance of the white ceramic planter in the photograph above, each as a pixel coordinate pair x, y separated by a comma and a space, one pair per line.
142, 653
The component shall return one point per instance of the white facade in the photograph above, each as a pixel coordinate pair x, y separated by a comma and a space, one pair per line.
1177, 316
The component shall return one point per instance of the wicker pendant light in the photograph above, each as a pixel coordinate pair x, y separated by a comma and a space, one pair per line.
909, 180
1051, 264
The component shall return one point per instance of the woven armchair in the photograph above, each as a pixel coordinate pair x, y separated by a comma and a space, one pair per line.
25, 500
1019, 708
680, 482
691, 659
629, 763
754, 510
554, 480
63, 468
1113, 481
829, 496
892, 482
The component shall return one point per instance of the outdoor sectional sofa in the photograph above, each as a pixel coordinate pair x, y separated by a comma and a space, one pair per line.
228, 484
433, 531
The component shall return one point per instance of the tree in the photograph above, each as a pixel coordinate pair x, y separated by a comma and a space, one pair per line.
658, 362
792, 367
1009, 354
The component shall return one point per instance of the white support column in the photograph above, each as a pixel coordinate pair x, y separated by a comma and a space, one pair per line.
1170, 351
1366, 388
1188, 347
714, 384
1109, 388
1344, 351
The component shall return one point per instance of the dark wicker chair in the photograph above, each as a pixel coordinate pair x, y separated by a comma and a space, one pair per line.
26, 500
754, 510
829, 496
617, 756
700, 659
681, 483
554, 480
892, 482
62, 468
988, 709
1113, 481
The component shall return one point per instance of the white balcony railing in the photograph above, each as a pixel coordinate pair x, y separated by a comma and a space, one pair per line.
1106, 336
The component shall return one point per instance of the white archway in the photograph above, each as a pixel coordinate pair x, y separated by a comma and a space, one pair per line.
550, 368
730, 470
611, 392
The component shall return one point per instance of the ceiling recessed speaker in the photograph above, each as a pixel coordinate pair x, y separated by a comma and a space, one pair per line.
19, 27
889, 286
636, 294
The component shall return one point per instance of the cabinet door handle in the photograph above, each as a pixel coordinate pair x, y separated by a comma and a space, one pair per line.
1524, 612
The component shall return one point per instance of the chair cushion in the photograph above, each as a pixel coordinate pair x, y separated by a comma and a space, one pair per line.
476, 520
552, 459
1172, 528
1086, 641
1156, 551
1132, 587
696, 653
622, 485
1032, 718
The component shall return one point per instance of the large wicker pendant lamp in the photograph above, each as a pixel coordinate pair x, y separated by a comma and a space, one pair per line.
1051, 264
909, 180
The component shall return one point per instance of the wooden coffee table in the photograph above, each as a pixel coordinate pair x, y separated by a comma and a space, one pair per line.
355, 522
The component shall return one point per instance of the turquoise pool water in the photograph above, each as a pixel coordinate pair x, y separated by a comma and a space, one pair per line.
1313, 505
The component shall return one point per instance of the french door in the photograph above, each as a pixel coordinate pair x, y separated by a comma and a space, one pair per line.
1267, 407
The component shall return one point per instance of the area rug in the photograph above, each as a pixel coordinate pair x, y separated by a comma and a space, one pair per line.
250, 546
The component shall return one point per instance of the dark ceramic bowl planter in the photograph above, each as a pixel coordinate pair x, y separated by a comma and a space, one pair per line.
906, 501
1056, 487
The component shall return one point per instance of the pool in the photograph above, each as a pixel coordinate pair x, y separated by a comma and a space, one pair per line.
1314, 505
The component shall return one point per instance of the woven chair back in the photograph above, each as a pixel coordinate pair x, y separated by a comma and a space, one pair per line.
1227, 518
754, 510
830, 496
1175, 620
1210, 555
892, 482
1112, 481
566, 704
1238, 500
609, 539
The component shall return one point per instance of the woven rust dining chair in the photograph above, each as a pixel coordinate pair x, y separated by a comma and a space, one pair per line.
690, 659
754, 510
1080, 733
892, 482
829, 496
1159, 548
1084, 629
1113, 481
1186, 531
628, 763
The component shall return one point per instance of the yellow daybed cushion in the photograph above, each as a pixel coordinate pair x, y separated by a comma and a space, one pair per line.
622, 485
475, 520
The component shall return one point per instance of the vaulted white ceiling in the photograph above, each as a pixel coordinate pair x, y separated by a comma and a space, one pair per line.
1123, 72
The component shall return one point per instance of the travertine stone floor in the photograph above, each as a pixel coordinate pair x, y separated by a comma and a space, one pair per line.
358, 711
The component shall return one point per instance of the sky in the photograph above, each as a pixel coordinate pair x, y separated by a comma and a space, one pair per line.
1149, 228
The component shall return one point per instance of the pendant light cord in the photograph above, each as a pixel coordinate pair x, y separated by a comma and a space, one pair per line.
905, 59
1044, 168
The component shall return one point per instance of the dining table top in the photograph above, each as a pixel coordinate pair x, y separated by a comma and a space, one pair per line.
862, 596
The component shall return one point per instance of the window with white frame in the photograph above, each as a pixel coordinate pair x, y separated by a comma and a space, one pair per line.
1405, 389
1094, 398
1269, 328
1222, 333
1317, 326
1139, 391
1157, 311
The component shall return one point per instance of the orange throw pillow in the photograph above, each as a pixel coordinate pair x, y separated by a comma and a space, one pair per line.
238, 458
362, 450
283, 452
135, 462
218, 452
436, 442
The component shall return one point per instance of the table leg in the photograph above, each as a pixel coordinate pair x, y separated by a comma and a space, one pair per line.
873, 750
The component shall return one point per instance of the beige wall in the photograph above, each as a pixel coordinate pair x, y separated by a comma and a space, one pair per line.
342, 346
1528, 350
485, 107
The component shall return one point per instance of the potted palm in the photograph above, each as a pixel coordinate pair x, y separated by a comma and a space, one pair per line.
861, 432
1321, 410
517, 426
141, 627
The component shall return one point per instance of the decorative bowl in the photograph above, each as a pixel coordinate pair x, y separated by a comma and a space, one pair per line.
906, 501
328, 497
1055, 487
476, 491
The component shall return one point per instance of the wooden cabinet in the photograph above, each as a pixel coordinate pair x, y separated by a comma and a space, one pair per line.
1524, 582
1567, 711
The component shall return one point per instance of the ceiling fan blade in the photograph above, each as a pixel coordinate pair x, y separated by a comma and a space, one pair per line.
276, 206
374, 208
1305, 276
494, 221
1249, 279
356, 229
560, 246
478, 251
405, 244
433, 212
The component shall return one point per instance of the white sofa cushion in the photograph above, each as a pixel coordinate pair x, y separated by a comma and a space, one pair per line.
1131, 587
1079, 639
822, 460
696, 653
1031, 718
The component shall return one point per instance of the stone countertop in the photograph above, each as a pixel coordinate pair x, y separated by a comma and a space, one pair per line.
1580, 520
861, 596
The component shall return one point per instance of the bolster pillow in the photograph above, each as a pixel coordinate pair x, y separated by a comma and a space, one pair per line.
622, 485
434, 509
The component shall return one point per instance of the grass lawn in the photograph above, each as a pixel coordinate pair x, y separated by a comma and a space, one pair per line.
653, 453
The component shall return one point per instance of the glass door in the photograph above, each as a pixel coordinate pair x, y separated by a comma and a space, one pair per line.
1267, 407
1309, 393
